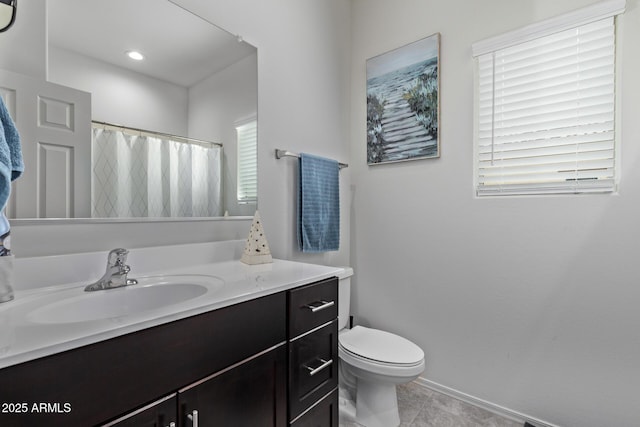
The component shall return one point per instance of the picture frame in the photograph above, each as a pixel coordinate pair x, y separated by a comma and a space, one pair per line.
403, 103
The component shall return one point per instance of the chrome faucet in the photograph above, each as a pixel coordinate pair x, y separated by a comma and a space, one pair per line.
116, 274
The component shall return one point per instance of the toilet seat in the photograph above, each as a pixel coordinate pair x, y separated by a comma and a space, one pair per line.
380, 346
380, 352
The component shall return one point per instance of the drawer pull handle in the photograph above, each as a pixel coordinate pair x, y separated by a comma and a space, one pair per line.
193, 417
325, 364
320, 305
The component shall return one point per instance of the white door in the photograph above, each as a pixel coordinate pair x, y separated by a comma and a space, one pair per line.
54, 123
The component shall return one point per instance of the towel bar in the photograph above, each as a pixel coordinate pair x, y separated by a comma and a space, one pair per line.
284, 153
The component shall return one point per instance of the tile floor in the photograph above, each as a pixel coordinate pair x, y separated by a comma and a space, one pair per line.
421, 407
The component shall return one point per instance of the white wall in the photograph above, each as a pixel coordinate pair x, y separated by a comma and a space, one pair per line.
527, 302
121, 96
215, 105
303, 101
23, 46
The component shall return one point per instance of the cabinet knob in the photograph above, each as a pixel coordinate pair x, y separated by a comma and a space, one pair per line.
193, 417
320, 305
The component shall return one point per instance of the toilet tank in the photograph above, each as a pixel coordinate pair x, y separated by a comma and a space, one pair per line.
344, 297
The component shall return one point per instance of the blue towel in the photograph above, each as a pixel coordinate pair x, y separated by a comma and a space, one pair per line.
11, 164
318, 204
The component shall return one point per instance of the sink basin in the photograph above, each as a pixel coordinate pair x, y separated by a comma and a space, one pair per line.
151, 293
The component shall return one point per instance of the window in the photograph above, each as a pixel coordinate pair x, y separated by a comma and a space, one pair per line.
247, 141
545, 107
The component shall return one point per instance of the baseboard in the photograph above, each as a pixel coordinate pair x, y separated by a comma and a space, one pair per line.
475, 401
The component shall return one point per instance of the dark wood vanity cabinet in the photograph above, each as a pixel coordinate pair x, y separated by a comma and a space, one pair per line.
246, 395
161, 413
313, 354
250, 393
97, 383
235, 366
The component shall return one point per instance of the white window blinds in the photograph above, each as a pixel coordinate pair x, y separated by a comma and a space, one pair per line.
545, 113
247, 140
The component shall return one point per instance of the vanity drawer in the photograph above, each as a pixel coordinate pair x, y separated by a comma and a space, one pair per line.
322, 414
313, 367
312, 305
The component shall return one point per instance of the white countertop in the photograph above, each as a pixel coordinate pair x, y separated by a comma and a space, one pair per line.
23, 339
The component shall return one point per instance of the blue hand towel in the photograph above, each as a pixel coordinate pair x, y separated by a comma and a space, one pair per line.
318, 204
11, 164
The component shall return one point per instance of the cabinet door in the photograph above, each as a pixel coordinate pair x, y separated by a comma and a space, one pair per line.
162, 413
251, 394
54, 122
323, 414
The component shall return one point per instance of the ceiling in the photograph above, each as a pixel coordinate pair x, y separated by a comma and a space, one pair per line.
179, 47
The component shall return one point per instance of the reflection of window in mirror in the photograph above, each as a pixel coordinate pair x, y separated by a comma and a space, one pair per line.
247, 138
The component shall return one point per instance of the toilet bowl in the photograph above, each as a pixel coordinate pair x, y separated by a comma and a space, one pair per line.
372, 363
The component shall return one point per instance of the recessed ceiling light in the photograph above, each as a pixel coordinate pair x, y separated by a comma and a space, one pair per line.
134, 54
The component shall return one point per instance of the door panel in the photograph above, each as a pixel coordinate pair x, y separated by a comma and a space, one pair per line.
54, 123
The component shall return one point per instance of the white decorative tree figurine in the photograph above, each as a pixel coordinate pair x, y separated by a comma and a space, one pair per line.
256, 250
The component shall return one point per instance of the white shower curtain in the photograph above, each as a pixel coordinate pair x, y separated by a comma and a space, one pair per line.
146, 176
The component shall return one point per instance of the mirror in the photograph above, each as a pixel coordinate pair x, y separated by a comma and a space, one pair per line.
195, 81
8, 10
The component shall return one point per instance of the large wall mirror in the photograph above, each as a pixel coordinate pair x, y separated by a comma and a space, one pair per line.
173, 134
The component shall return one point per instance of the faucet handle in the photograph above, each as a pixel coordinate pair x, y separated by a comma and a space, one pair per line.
116, 257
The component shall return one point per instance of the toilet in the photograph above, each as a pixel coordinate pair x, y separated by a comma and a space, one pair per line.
372, 363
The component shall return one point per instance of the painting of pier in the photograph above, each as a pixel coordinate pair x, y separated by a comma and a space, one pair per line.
402, 103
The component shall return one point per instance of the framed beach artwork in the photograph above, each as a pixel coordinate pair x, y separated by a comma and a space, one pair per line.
403, 108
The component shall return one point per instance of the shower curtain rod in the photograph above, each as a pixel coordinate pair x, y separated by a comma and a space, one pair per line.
150, 132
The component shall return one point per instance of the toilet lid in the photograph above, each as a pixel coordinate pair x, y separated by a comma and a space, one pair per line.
380, 346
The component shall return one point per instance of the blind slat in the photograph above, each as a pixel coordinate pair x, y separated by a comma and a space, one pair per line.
515, 151
588, 96
574, 186
549, 134
569, 141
